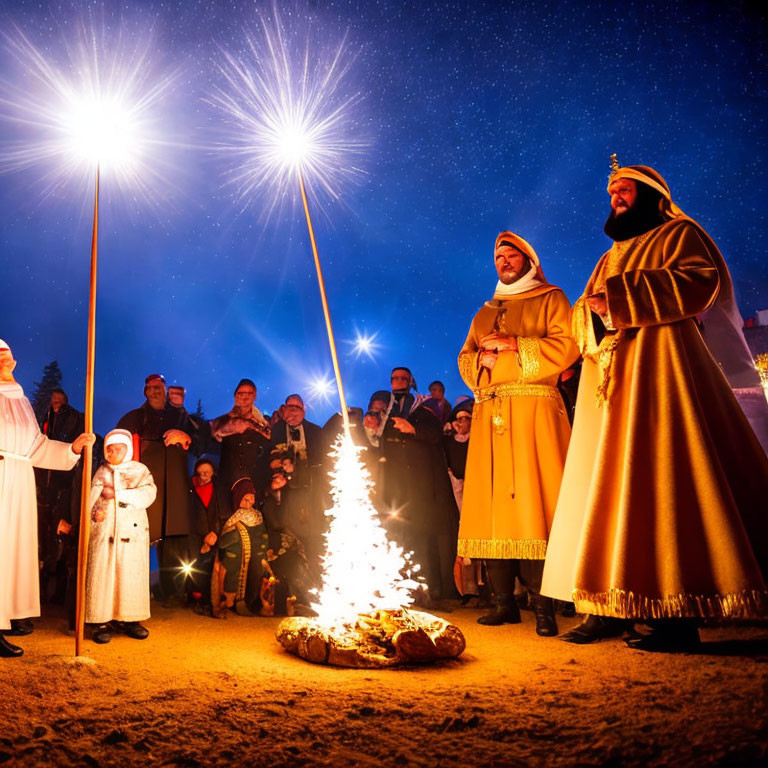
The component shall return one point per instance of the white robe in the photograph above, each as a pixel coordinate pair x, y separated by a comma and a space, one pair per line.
21, 448
117, 583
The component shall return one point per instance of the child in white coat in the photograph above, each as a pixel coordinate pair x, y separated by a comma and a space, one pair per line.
117, 583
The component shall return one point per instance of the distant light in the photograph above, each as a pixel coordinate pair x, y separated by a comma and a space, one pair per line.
366, 345
186, 568
322, 388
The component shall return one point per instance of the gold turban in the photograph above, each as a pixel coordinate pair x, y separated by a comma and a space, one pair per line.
653, 179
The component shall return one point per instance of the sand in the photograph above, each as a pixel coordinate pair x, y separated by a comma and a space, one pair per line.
204, 692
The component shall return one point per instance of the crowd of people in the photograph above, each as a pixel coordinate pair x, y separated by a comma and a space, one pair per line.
652, 511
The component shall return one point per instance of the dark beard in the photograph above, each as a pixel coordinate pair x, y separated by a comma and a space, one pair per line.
643, 216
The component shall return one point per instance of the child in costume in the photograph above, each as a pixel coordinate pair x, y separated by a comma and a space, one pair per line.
117, 583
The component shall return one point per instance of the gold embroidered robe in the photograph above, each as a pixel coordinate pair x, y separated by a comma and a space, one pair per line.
662, 510
520, 430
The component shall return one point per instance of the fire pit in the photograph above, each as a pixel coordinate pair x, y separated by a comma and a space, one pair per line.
382, 638
364, 574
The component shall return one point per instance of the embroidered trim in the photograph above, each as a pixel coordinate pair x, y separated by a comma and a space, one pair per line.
616, 256
530, 357
503, 549
605, 364
242, 576
628, 605
584, 335
514, 390
467, 363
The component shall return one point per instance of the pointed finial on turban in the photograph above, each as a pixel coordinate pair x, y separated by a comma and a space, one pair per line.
614, 163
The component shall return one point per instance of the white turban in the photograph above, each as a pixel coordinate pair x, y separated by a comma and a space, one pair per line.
3, 346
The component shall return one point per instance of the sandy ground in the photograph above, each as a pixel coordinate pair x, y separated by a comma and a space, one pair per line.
204, 692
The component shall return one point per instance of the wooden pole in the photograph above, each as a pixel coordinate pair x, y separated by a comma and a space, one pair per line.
326, 313
85, 512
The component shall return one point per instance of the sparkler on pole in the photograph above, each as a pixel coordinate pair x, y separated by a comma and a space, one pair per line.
92, 114
291, 126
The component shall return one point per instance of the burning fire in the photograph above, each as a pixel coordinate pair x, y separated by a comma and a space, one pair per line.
363, 614
362, 569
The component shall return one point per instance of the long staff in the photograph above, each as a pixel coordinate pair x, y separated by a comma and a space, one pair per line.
85, 495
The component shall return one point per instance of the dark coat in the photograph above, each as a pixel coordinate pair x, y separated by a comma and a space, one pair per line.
456, 455
303, 499
414, 474
54, 486
212, 517
170, 513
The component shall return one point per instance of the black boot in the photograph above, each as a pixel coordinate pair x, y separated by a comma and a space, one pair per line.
505, 611
19, 628
595, 628
135, 630
8, 650
544, 610
667, 636
101, 634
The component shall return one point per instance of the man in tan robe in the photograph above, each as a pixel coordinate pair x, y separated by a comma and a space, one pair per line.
662, 511
518, 345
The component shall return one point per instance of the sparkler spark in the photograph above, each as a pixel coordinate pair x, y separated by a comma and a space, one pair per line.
362, 569
94, 103
287, 114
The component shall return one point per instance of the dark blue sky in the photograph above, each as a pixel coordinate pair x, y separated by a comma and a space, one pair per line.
481, 116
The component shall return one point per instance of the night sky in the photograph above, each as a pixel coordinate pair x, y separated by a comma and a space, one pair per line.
479, 117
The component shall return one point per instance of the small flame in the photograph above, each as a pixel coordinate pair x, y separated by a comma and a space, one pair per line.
363, 570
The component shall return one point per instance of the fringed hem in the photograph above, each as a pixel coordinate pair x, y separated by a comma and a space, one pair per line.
503, 549
749, 604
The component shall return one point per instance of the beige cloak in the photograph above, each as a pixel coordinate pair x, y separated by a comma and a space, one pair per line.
663, 505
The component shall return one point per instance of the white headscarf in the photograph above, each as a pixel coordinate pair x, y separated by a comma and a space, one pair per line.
3, 346
123, 437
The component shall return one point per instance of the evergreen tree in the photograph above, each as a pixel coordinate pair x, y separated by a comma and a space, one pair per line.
199, 412
51, 380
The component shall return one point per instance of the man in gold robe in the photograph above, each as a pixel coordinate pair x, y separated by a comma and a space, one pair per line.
662, 511
518, 345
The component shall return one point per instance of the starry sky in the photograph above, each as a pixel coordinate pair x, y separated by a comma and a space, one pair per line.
476, 117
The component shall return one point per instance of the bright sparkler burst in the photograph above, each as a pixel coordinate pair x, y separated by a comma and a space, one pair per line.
96, 103
362, 569
288, 113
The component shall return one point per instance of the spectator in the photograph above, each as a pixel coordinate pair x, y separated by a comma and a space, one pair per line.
244, 435
414, 489
210, 505
304, 494
468, 573
162, 434
442, 406
54, 498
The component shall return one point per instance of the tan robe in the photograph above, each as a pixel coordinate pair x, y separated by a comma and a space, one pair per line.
21, 448
663, 506
520, 430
